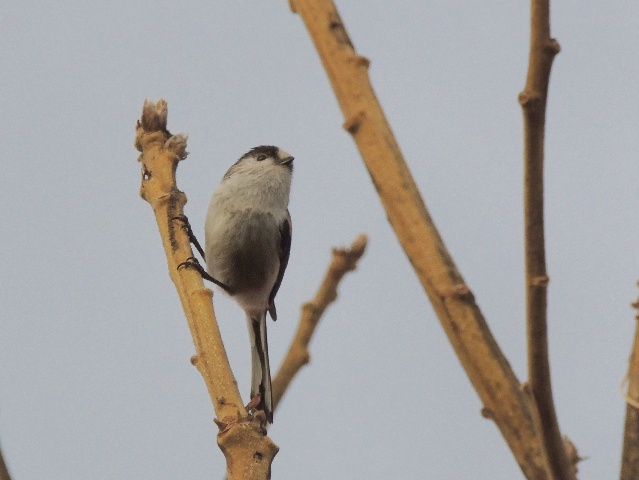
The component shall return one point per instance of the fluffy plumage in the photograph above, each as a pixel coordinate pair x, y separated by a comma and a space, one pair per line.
247, 245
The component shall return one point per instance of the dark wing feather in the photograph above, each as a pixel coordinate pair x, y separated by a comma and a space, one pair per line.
286, 230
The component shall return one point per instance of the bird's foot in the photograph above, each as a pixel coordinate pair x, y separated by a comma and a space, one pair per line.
193, 263
189, 231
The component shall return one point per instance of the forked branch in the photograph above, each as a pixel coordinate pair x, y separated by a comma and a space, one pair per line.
248, 451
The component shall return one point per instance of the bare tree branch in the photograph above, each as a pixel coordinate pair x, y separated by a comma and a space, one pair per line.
630, 454
248, 451
533, 101
4, 471
485, 365
344, 260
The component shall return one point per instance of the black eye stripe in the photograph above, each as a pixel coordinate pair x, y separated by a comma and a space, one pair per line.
268, 150
261, 157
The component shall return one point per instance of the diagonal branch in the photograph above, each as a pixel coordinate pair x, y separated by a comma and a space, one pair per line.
4, 472
241, 438
630, 454
344, 260
533, 101
454, 304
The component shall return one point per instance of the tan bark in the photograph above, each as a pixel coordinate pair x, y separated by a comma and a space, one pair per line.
454, 304
242, 438
343, 261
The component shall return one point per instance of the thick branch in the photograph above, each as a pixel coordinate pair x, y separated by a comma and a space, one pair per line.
533, 101
630, 454
344, 260
161, 152
452, 300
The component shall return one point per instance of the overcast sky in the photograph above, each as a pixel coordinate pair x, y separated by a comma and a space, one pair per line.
95, 379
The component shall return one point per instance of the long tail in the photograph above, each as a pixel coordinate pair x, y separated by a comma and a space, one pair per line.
260, 371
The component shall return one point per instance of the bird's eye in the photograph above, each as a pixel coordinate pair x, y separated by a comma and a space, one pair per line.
261, 157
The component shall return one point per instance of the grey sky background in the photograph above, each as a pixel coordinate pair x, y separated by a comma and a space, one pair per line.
95, 379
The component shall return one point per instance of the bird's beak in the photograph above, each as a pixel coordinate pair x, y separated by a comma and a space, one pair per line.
286, 161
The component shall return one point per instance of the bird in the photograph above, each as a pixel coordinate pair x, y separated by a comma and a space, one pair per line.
248, 233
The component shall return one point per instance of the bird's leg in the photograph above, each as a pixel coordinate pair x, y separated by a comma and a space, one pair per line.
193, 263
255, 401
189, 231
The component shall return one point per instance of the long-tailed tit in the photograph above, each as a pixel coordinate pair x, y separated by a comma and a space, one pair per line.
247, 245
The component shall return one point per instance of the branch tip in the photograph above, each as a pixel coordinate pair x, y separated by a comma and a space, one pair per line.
242, 435
298, 355
177, 145
154, 115
348, 257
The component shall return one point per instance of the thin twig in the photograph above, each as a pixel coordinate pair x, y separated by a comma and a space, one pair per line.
454, 304
343, 261
630, 453
248, 451
533, 101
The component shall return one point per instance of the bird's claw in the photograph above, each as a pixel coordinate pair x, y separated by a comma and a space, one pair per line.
186, 225
193, 263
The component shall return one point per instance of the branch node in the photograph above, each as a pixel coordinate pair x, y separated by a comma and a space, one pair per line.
305, 357
539, 281
635, 304
529, 99
310, 308
573, 455
226, 423
460, 290
623, 391
194, 359
487, 413
353, 123
361, 61
553, 47
220, 425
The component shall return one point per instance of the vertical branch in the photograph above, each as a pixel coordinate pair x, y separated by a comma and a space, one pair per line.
630, 454
533, 101
454, 304
242, 439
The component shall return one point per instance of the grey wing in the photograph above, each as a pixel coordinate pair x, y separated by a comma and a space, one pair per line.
286, 231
